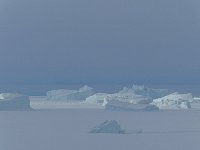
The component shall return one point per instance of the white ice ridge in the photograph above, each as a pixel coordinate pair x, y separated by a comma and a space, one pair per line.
14, 101
174, 101
68, 95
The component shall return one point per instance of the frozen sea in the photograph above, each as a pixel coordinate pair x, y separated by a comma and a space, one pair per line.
69, 130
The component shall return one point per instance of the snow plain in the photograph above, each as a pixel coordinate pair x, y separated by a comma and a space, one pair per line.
69, 130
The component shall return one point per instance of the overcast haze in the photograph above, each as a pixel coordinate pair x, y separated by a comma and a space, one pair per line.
100, 40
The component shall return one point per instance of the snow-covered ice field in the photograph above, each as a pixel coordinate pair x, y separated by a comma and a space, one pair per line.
69, 130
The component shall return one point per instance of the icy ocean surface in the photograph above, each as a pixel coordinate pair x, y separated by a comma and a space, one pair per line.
58, 123
69, 129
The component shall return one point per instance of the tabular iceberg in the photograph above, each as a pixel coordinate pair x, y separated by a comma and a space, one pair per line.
174, 101
14, 101
68, 95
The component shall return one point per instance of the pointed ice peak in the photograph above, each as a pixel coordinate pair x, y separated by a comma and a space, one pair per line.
85, 88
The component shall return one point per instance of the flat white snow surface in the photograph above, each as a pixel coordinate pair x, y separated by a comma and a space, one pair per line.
69, 130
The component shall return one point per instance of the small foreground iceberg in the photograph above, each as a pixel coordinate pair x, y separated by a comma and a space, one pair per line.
14, 101
109, 126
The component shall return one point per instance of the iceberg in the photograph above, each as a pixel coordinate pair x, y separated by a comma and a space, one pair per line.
129, 98
14, 101
97, 98
138, 94
69, 95
136, 98
195, 103
109, 126
174, 101
126, 106
145, 91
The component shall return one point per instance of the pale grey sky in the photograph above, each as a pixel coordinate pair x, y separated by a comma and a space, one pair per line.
100, 40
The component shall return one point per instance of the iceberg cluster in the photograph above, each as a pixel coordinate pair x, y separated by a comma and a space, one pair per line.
70, 95
136, 98
14, 101
141, 98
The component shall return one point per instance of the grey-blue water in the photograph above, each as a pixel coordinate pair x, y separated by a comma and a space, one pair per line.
41, 89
